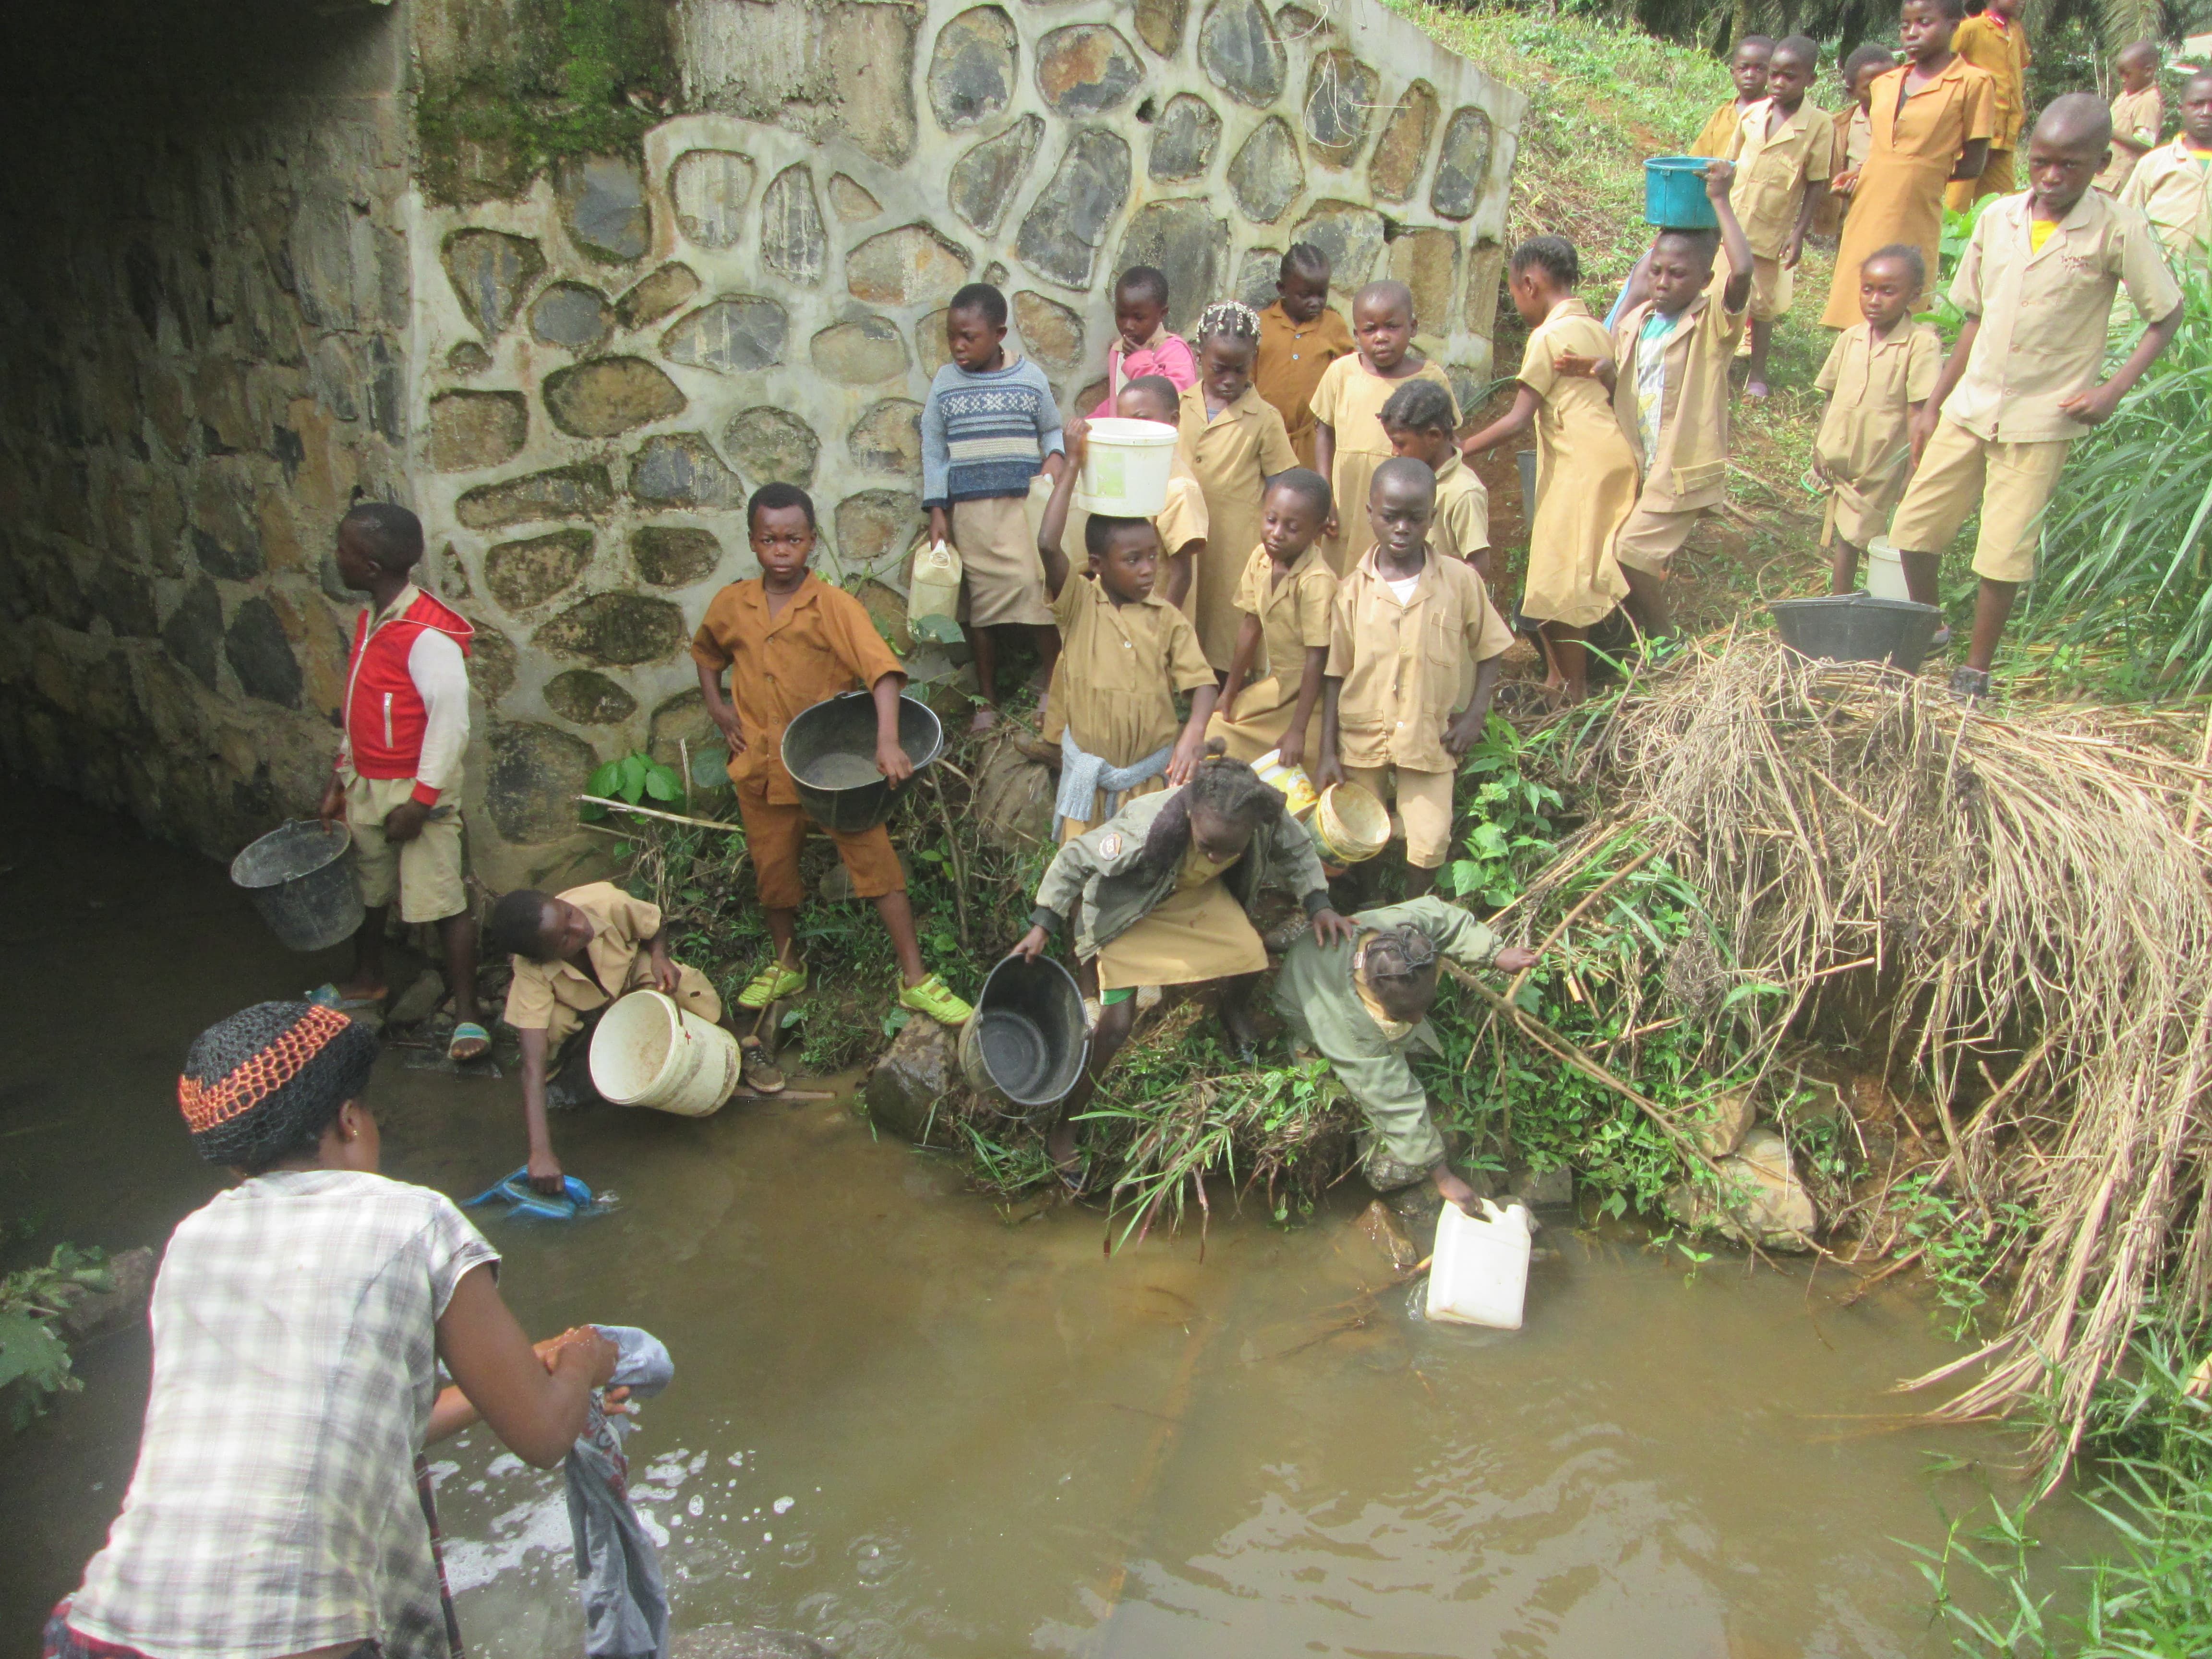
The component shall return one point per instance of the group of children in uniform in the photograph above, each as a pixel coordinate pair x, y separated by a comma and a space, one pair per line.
1913, 443
1317, 582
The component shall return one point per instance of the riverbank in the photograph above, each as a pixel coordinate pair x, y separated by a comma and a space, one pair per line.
996, 1438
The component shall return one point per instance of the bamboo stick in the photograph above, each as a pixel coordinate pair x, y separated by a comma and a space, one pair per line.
669, 817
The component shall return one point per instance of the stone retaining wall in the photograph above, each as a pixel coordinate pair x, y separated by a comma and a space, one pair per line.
218, 330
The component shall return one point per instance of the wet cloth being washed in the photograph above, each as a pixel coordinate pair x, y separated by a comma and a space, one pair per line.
618, 1566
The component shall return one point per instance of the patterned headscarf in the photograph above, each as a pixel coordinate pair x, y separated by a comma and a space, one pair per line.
267, 1081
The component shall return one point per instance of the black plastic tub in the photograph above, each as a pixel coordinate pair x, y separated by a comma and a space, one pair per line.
1858, 627
1026, 1044
830, 752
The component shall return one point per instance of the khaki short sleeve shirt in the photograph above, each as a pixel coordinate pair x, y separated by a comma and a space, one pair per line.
620, 926
1401, 663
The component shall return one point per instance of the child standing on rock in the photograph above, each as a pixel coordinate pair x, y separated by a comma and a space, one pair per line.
1878, 377
1300, 336
1349, 441
1585, 469
397, 781
788, 640
1233, 441
990, 426
1394, 716
1125, 652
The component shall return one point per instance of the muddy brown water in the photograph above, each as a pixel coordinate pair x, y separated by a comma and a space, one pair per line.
914, 1423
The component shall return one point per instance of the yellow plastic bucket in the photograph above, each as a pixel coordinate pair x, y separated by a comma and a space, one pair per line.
1350, 823
649, 1052
1295, 787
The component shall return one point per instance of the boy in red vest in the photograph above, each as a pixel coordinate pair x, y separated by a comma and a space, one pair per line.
398, 777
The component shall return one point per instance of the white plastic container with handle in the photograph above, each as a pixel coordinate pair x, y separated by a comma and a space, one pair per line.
1479, 1273
1125, 468
1885, 571
933, 590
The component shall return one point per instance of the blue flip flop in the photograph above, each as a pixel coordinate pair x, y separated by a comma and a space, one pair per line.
577, 1198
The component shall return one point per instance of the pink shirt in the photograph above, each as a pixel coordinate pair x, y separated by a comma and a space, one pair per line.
1166, 354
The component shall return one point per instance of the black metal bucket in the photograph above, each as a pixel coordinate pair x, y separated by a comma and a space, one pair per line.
302, 884
1026, 1044
830, 752
1859, 627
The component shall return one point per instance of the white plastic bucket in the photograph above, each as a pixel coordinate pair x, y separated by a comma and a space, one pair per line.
1480, 1273
1885, 571
649, 1052
1125, 468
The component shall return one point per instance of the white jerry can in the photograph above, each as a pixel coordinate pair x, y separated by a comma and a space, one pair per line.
1479, 1273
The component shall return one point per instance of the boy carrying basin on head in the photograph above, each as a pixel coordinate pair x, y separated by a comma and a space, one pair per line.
788, 640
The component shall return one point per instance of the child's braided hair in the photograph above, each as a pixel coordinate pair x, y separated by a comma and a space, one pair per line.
1398, 953
1230, 789
1230, 319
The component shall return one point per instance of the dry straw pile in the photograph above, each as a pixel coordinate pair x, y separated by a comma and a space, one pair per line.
2029, 894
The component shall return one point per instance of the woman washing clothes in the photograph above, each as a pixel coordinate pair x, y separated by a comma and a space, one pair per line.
1165, 887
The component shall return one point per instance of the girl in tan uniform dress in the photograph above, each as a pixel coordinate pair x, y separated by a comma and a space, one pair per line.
1585, 471
1287, 599
1234, 442
1932, 119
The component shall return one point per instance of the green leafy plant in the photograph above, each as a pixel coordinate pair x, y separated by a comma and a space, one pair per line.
1511, 817
35, 1361
1961, 1246
635, 778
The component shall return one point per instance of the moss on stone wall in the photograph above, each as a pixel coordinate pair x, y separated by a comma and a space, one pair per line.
563, 78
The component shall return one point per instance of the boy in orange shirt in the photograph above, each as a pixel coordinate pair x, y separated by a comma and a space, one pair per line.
789, 640
1300, 336
1747, 69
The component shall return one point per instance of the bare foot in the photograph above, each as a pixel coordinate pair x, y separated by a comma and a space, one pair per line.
361, 991
1244, 1034
1060, 1146
986, 718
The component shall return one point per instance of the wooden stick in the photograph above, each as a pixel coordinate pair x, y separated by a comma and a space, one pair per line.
1565, 1049
1573, 916
670, 818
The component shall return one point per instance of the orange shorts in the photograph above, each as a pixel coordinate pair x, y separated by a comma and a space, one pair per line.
776, 832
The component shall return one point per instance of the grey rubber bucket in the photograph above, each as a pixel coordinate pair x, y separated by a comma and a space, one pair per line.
301, 881
1858, 627
1026, 1042
830, 752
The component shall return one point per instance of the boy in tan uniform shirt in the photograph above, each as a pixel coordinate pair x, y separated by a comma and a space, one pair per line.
1672, 344
1406, 622
2138, 112
1784, 153
1995, 41
2172, 184
1879, 373
2037, 284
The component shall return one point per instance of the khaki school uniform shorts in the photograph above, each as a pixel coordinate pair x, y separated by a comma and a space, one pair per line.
425, 874
776, 832
1647, 538
1000, 572
1773, 285
2011, 483
1421, 808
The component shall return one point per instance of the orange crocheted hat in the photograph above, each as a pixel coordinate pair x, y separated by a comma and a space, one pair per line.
271, 1076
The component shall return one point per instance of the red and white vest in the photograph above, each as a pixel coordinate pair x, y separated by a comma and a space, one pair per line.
384, 713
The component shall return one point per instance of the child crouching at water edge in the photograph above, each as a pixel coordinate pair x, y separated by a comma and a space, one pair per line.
575, 955
1125, 652
1165, 887
788, 640
281, 1503
1364, 1009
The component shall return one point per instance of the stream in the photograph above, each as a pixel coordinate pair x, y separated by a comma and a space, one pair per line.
912, 1424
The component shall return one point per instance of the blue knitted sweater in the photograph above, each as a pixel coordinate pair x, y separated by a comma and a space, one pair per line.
986, 434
